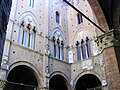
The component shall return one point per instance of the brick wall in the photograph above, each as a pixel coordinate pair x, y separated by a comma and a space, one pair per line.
112, 70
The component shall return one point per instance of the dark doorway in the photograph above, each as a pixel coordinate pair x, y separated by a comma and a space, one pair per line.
88, 82
58, 82
21, 78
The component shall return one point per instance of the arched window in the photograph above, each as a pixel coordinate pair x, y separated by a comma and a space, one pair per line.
88, 47
30, 3
27, 33
58, 46
79, 18
78, 50
83, 49
57, 17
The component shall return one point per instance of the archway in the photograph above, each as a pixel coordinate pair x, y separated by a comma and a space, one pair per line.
21, 78
58, 82
88, 82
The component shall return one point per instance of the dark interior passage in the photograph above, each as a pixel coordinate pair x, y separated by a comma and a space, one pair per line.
58, 82
88, 82
21, 78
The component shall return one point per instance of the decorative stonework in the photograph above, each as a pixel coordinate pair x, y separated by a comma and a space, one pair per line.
105, 40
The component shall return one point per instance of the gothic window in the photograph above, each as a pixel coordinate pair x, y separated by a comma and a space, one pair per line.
83, 49
78, 50
58, 46
31, 3
57, 17
27, 32
88, 47
79, 18
26, 37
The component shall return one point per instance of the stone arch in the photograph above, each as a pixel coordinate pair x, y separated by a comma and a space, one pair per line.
99, 14
29, 65
76, 37
30, 14
59, 30
87, 73
60, 75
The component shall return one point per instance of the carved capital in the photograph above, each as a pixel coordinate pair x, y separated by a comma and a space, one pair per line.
105, 40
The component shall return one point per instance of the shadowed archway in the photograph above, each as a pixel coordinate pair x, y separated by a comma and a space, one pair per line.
88, 82
58, 82
21, 78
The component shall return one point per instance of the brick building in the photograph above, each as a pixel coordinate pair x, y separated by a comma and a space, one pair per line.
5, 7
51, 46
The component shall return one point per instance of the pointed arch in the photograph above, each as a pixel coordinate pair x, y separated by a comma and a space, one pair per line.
59, 30
28, 13
57, 44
